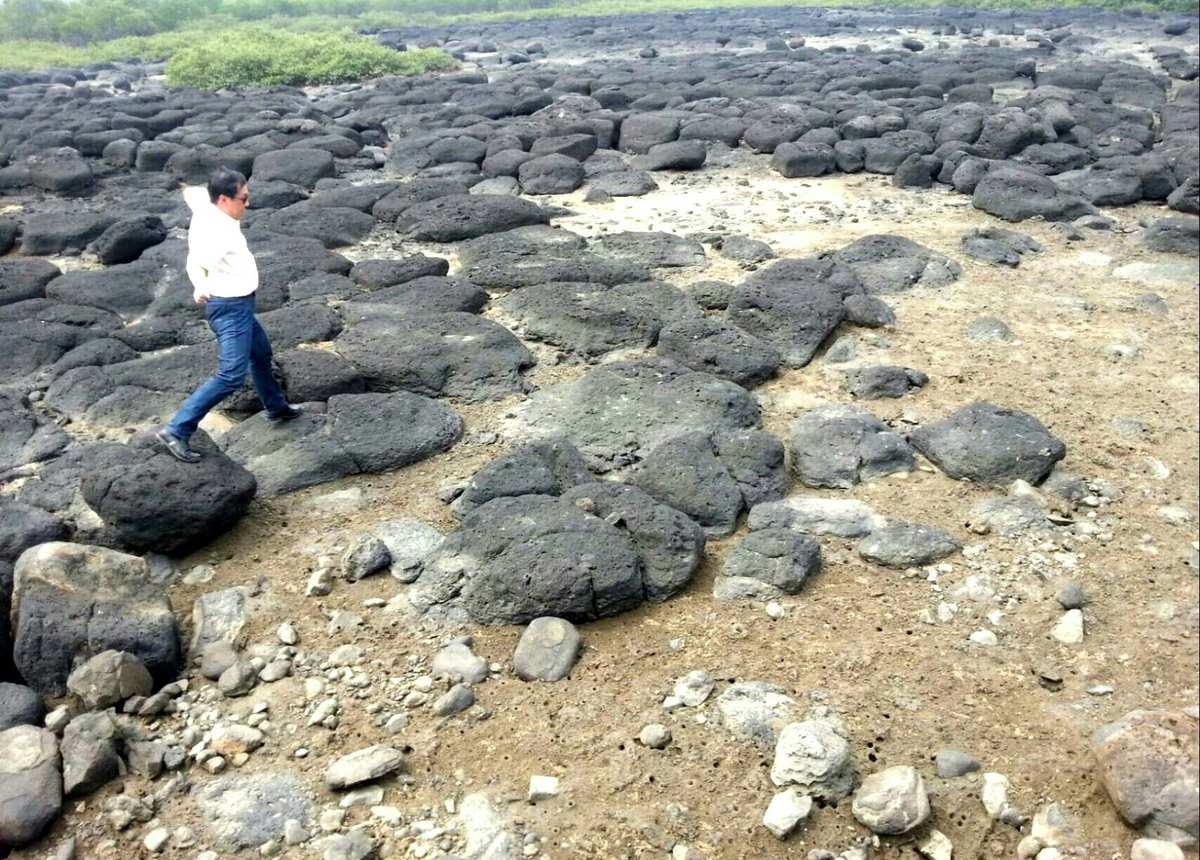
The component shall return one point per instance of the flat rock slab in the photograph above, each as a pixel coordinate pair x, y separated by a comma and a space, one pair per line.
653, 249
465, 216
355, 434
990, 445
717, 347
614, 414
26, 437
901, 544
794, 317
893, 264
71, 600
592, 319
518, 558
455, 354
245, 810
838, 446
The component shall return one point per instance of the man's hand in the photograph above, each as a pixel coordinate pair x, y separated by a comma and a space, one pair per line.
200, 298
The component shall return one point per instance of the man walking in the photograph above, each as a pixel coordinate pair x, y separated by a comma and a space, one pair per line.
224, 277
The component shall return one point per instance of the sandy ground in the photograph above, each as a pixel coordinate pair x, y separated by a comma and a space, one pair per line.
853, 639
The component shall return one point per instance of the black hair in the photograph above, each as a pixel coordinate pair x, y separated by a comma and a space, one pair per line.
224, 181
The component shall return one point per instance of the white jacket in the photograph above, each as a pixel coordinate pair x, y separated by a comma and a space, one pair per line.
219, 262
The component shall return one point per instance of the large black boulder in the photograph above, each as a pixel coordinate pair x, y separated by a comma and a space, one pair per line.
159, 504
466, 216
125, 240
989, 445
71, 602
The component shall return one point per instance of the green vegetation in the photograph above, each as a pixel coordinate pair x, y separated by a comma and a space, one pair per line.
248, 56
221, 42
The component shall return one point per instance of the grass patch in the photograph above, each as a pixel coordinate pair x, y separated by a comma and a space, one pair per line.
256, 56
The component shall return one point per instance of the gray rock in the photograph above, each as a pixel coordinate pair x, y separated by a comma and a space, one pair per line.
355, 434
1072, 595
780, 558
246, 810
1179, 234
110, 678
530, 556
816, 515
669, 543
547, 467
239, 679
1148, 761
30, 784
694, 688
466, 216
654, 736
216, 658
883, 380
869, 311
354, 845
651, 248
91, 747
220, 616
409, 543
892, 801
795, 317
457, 354
815, 756
901, 544
892, 264
159, 504
547, 650
990, 445
716, 347
364, 765
785, 811
624, 183
1006, 515
998, 246
368, 555
840, 445
987, 329
592, 319
19, 706
455, 700
951, 763
614, 414
72, 601
457, 660
755, 711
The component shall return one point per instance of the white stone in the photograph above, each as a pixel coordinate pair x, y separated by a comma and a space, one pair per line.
694, 688
1155, 849
994, 793
984, 637
1069, 629
892, 801
785, 811
542, 788
936, 846
156, 839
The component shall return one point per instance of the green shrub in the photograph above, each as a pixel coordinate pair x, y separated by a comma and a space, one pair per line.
252, 56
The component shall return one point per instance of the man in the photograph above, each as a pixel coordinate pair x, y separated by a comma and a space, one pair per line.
224, 277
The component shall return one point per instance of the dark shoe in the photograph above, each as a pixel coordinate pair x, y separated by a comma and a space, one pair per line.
285, 414
176, 447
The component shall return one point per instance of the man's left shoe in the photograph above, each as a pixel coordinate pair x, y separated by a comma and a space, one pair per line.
285, 414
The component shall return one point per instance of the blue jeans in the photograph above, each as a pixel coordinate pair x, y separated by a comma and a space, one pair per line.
241, 344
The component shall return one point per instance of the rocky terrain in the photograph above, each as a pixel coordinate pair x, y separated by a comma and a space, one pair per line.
728, 434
